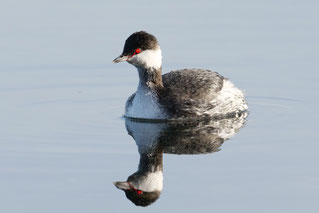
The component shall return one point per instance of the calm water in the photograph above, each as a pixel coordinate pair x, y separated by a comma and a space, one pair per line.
63, 142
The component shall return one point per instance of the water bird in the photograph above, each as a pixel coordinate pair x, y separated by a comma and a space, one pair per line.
179, 94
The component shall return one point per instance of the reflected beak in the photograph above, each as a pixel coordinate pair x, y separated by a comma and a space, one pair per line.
121, 58
122, 185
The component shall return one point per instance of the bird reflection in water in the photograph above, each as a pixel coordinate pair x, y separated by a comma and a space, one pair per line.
153, 139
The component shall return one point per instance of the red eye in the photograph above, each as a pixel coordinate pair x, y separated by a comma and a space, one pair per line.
137, 51
139, 192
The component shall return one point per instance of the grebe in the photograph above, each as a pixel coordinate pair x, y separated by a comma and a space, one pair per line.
185, 93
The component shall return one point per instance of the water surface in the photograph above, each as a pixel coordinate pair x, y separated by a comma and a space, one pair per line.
63, 142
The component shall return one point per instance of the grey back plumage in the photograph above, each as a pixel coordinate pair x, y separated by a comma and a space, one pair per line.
193, 83
187, 89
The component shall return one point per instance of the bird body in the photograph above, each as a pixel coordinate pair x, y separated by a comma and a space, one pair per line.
186, 93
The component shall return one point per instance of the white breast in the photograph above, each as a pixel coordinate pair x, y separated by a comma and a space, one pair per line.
144, 105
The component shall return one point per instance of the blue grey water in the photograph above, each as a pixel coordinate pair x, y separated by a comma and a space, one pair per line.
63, 141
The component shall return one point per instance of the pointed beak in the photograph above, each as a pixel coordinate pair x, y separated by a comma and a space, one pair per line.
121, 58
122, 185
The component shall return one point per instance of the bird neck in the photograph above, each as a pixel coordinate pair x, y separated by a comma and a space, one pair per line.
151, 161
150, 77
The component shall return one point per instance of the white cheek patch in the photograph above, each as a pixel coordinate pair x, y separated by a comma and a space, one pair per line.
148, 58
